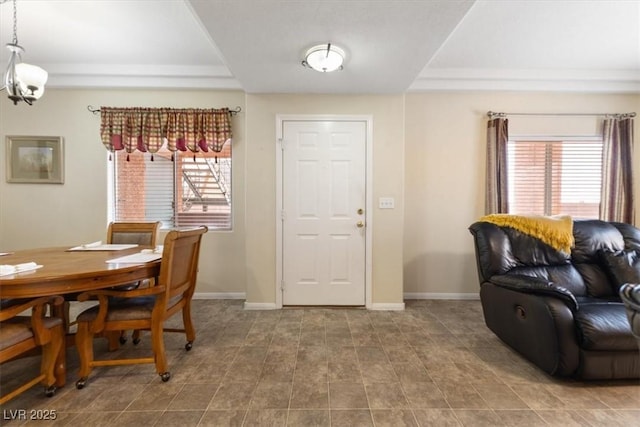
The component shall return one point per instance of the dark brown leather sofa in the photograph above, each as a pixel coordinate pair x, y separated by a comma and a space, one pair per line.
630, 294
561, 311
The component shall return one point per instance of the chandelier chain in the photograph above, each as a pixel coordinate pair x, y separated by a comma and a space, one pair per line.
15, 23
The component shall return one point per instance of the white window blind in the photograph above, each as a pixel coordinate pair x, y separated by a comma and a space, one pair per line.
555, 176
185, 191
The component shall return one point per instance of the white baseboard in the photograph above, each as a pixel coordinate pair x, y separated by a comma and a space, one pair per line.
387, 306
435, 295
219, 295
260, 305
374, 306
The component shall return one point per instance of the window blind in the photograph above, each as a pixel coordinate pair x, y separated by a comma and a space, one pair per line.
551, 177
189, 190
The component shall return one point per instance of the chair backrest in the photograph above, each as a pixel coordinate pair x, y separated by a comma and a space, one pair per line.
141, 233
179, 265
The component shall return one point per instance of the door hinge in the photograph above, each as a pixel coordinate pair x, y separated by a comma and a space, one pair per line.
283, 215
282, 286
282, 143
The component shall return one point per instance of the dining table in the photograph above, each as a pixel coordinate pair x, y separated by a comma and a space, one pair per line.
61, 271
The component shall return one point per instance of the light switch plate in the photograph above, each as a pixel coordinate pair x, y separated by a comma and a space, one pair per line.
386, 203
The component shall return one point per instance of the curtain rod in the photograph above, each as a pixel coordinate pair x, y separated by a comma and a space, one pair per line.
97, 110
493, 114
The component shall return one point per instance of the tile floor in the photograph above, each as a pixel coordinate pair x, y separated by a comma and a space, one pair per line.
434, 364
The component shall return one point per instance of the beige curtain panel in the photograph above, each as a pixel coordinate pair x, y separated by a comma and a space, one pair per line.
617, 202
496, 196
148, 129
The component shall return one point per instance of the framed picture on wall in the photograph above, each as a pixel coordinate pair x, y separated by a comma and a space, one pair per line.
35, 159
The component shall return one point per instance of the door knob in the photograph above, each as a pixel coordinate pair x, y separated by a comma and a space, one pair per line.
360, 224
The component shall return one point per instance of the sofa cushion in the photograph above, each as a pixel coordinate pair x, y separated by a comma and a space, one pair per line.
596, 280
592, 237
630, 234
604, 326
623, 267
566, 276
630, 295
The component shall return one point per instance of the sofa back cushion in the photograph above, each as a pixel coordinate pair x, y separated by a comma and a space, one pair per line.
630, 234
504, 250
622, 267
592, 239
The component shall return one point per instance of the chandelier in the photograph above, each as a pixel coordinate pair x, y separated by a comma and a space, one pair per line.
23, 82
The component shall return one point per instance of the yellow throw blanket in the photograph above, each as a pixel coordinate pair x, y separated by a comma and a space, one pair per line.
555, 231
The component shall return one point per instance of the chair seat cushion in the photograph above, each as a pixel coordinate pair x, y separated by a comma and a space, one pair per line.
18, 329
122, 309
604, 326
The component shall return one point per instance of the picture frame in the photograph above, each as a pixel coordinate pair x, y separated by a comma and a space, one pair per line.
35, 159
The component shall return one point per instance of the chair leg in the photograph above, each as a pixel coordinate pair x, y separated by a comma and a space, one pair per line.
50, 352
84, 345
136, 337
188, 326
63, 313
157, 342
114, 340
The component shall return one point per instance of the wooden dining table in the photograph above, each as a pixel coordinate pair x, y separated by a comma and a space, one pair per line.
64, 271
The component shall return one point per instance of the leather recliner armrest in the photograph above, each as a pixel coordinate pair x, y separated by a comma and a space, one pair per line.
534, 285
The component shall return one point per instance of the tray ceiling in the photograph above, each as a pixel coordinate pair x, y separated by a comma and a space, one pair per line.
392, 46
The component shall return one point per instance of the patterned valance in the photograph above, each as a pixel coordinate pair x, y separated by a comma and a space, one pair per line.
148, 129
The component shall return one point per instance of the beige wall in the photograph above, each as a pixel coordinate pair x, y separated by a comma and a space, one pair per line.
388, 160
428, 153
37, 215
445, 169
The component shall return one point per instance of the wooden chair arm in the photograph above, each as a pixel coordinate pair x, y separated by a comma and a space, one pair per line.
97, 325
135, 293
41, 334
25, 304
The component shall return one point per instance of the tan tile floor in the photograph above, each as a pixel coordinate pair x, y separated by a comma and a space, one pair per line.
434, 364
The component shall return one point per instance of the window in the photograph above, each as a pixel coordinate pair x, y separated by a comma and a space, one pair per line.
551, 176
192, 189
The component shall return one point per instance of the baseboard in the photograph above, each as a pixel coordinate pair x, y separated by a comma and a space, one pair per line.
435, 295
374, 306
219, 295
260, 305
387, 306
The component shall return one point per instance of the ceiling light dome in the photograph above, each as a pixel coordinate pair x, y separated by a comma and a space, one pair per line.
324, 58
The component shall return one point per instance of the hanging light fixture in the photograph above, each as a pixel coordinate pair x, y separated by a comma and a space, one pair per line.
324, 58
23, 82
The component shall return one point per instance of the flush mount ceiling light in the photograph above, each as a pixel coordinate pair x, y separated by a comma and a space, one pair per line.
324, 58
23, 82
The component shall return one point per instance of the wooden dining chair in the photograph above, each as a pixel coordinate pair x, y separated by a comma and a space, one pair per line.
20, 334
140, 233
145, 308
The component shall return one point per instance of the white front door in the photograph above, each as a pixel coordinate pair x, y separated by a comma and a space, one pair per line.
323, 212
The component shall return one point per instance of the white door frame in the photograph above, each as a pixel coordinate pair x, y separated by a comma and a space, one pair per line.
368, 120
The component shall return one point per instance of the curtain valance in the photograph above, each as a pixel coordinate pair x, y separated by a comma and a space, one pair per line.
148, 129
